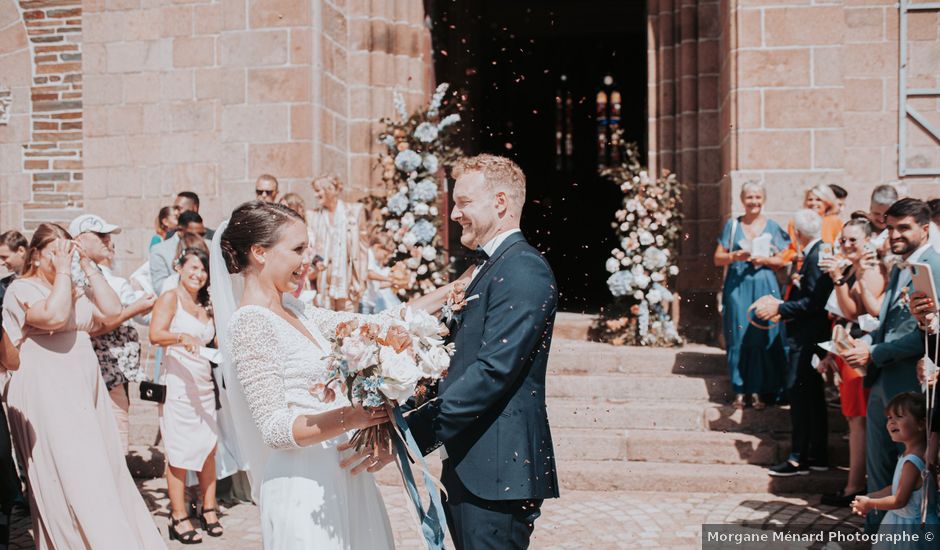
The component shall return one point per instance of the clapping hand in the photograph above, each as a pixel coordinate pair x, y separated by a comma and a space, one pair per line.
767, 309
740, 256
858, 355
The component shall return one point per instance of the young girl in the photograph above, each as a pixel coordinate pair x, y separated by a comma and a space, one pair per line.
906, 414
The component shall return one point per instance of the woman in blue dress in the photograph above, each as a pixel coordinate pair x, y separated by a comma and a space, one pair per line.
756, 356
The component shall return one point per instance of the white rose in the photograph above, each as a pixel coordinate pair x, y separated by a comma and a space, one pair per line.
409, 239
413, 262
637, 259
638, 295
421, 209
400, 375
624, 261
673, 270
612, 265
408, 219
402, 248
357, 352
433, 362
646, 238
429, 253
421, 324
641, 281
657, 277
422, 269
432, 211
630, 217
624, 226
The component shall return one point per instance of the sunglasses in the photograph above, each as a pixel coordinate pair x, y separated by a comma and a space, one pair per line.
260, 192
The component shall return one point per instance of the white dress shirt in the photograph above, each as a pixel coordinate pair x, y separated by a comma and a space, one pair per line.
492, 245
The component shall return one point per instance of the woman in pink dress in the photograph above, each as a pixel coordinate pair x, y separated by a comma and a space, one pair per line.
80, 490
182, 322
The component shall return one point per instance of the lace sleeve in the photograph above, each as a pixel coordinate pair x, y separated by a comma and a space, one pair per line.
254, 350
326, 319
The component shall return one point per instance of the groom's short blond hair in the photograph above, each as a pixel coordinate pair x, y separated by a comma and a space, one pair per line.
499, 173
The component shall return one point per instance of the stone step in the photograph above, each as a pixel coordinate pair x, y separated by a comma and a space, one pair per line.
602, 475
673, 415
579, 357
681, 446
610, 475
573, 326
715, 388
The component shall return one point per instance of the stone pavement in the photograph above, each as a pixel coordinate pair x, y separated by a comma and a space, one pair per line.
601, 520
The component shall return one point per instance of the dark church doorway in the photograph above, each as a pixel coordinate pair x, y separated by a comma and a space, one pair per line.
531, 71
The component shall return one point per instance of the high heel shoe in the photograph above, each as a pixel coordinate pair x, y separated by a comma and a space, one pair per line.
188, 537
738, 402
757, 403
213, 529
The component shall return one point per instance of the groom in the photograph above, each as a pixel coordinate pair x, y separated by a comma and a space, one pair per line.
489, 414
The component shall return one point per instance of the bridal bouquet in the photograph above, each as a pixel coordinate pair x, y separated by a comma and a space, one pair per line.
378, 367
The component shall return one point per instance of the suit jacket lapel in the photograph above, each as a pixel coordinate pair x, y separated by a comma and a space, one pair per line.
894, 292
506, 244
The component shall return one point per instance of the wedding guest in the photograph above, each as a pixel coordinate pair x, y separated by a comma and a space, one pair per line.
891, 352
165, 222
807, 323
338, 235
13, 251
266, 188
163, 256
187, 201
182, 322
882, 197
841, 194
80, 490
902, 498
756, 357
859, 290
379, 295
13, 247
186, 242
296, 203
116, 345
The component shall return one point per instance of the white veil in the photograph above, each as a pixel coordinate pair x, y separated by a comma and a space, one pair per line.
226, 292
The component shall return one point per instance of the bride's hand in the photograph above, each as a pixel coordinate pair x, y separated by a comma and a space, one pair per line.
357, 418
369, 459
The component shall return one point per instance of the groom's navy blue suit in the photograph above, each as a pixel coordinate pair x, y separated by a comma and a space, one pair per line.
490, 409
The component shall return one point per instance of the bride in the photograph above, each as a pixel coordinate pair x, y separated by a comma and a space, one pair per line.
303, 476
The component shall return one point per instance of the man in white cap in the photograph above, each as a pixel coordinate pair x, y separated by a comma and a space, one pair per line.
93, 234
116, 343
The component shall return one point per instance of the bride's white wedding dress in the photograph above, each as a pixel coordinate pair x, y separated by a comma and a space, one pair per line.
306, 499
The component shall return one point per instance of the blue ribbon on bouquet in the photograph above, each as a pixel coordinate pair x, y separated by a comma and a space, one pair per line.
432, 520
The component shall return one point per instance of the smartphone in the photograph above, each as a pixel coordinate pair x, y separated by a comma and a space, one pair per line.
825, 252
922, 278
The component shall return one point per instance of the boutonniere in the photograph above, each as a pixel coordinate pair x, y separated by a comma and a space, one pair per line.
455, 301
905, 298
796, 278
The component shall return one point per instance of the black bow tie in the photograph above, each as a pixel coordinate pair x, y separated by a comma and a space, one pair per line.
479, 256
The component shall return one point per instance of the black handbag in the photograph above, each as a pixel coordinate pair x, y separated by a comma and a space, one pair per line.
153, 391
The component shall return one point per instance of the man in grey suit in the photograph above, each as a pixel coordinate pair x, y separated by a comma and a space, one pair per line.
891, 352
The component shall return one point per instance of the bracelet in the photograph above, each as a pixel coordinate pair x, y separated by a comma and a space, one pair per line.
342, 419
839, 282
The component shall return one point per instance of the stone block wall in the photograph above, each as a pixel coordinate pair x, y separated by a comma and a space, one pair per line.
209, 94
806, 92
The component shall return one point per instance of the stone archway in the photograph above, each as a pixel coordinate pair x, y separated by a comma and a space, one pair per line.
15, 82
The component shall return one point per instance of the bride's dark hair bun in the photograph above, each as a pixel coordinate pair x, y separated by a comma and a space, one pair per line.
253, 223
